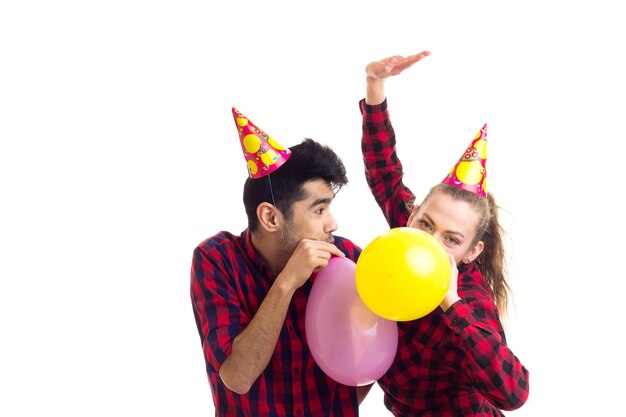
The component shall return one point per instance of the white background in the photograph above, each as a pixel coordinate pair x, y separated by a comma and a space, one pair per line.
119, 154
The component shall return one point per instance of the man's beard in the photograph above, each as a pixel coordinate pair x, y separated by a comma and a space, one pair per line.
289, 237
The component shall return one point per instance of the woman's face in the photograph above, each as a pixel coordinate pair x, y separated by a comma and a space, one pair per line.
452, 222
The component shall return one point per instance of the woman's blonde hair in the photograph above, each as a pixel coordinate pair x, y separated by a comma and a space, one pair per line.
491, 262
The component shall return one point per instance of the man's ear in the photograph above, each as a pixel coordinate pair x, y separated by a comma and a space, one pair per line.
269, 217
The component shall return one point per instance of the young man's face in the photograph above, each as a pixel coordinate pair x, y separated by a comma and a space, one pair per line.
311, 217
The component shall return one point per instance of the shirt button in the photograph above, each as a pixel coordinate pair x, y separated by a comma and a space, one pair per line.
298, 411
296, 369
453, 322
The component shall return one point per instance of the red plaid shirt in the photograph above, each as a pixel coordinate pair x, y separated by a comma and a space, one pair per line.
229, 280
455, 363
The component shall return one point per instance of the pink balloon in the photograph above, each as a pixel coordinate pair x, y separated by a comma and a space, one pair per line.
349, 342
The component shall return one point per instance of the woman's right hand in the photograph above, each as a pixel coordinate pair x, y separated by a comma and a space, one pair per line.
377, 71
392, 65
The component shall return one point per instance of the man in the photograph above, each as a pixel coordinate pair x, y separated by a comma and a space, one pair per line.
249, 292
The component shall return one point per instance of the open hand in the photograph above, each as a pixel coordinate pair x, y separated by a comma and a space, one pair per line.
392, 65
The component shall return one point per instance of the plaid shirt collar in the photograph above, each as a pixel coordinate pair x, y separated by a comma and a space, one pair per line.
253, 255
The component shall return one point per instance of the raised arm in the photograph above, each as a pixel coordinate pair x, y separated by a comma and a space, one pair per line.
383, 169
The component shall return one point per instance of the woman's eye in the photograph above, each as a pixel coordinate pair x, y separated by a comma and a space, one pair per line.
452, 241
425, 225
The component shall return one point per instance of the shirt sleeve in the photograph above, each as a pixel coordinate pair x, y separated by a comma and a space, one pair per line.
217, 309
351, 250
498, 374
383, 169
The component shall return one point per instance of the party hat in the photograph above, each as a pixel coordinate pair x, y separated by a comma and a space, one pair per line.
263, 154
470, 172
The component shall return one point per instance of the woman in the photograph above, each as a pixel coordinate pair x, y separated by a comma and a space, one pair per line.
454, 361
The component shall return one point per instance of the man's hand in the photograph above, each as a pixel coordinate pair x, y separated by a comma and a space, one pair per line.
309, 256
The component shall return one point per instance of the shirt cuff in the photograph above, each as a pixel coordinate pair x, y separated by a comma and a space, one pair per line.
374, 113
459, 316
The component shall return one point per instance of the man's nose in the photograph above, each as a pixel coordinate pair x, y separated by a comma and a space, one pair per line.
331, 226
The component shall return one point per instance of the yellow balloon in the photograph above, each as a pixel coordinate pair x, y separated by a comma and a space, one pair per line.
403, 274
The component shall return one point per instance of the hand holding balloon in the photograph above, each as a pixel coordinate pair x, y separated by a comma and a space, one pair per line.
452, 295
308, 257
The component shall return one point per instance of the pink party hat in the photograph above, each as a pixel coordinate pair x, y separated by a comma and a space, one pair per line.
470, 172
263, 154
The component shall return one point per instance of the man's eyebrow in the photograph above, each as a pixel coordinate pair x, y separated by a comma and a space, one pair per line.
321, 201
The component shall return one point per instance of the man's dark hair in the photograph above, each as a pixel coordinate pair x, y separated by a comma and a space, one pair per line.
309, 160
